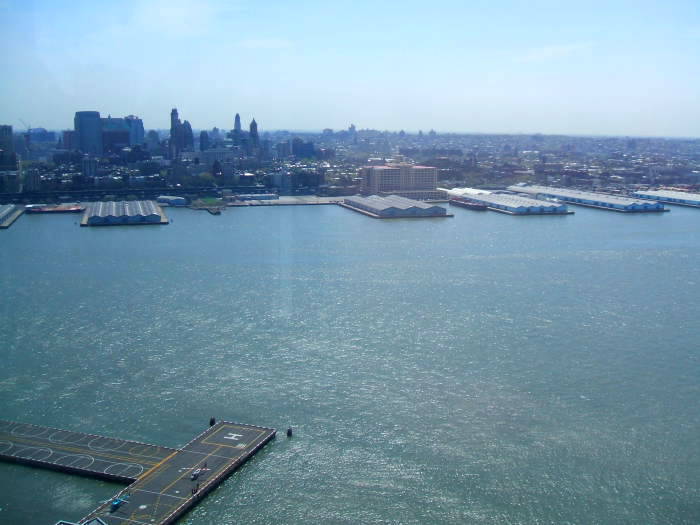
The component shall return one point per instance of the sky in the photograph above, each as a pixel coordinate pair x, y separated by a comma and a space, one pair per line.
500, 66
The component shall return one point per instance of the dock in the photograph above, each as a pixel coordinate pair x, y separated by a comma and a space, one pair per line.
8, 215
164, 483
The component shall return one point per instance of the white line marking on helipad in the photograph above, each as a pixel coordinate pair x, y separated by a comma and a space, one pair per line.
159, 493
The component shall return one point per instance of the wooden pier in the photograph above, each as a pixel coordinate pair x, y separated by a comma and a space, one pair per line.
164, 483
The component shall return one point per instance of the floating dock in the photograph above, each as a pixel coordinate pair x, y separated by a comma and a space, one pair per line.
164, 483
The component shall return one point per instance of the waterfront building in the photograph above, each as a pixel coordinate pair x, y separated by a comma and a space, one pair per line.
517, 205
393, 206
670, 197
122, 212
172, 200
407, 180
254, 197
590, 198
88, 132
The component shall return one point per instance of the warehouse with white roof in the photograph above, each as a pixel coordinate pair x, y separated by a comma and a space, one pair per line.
123, 213
393, 206
516, 205
670, 197
591, 199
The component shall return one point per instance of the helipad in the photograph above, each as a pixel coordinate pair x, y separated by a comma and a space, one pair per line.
164, 483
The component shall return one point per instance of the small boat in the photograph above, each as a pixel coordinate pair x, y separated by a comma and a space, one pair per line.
468, 203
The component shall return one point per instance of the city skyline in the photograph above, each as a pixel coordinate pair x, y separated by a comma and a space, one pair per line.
622, 70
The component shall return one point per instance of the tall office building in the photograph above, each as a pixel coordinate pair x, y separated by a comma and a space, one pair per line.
254, 138
88, 131
203, 140
236, 134
8, 159
68, 140
116, 134
6, 139
301, 149
187, 137
176, 135
136, 131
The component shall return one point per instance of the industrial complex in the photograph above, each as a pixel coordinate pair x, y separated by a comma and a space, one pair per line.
115, 213
393, 207
591, 199
671, 197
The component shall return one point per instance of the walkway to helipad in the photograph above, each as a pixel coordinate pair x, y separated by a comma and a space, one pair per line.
163, 481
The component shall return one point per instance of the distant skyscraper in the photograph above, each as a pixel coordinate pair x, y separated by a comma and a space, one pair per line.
176, 135
115, 134
8, 159
203, 141
136, 132
6, 139
301, 149
88, 131
236, 134
254, 138
68, 139
152, 140
187, 137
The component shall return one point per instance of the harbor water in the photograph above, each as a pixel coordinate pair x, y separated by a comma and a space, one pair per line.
482, 369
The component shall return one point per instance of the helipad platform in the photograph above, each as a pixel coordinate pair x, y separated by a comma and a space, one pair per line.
77, 452
165, 483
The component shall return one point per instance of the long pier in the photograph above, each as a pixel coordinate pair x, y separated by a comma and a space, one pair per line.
164, 483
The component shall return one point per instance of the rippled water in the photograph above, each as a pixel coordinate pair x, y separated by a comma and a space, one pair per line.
479, 369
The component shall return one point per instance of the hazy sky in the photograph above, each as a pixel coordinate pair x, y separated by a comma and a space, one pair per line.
577, 67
